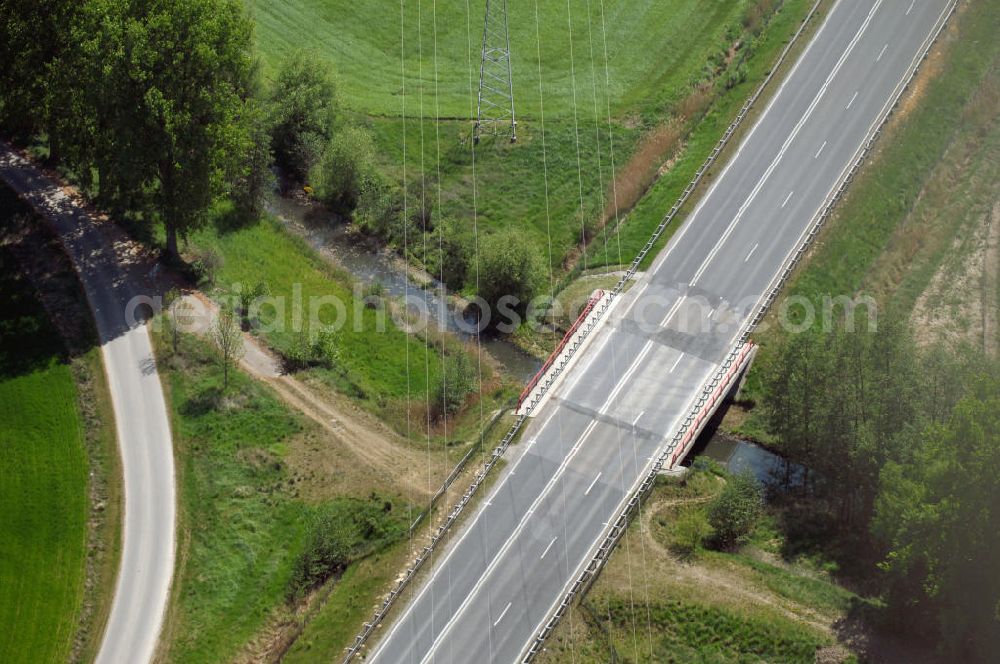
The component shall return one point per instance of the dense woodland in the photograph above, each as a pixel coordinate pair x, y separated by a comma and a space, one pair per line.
901, 451
149, 104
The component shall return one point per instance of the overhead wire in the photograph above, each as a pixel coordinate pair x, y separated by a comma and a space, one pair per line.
427, 352
635, 453
576, 127
406, 282
475, 243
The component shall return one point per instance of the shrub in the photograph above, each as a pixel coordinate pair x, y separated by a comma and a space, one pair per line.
735, 76
347, 167
450, 257
302, 105
457, 381
297, 354
255, 181
510, 267
323, 351
326, 349
588, 221
250, 291
205, 265
342, 531
689, 531
736, 510
374, 293
380, 209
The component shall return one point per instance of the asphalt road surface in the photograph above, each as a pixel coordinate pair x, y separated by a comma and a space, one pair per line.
144, 442
497, 582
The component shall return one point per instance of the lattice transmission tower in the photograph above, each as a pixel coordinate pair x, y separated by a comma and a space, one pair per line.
495, 114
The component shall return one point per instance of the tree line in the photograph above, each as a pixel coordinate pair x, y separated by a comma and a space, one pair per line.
901, 454
149, 103
157, 108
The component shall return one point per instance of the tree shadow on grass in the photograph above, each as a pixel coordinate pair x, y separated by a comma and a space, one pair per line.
811, 530
232, 219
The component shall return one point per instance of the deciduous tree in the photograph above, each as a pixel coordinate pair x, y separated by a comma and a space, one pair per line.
228, 338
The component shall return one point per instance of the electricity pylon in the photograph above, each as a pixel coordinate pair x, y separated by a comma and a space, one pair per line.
496, 86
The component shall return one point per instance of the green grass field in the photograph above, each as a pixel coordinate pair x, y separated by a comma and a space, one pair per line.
559, 173
654, 49
337, 620
240, 525
43, 478
375, 362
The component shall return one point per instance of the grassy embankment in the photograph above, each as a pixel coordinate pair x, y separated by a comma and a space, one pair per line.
668, 62
341, 613
658, 600
43, 476
918, 206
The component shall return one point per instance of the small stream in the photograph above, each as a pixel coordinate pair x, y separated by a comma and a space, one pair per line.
738, 455
329, 235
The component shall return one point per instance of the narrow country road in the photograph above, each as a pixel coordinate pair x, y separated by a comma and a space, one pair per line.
144, 442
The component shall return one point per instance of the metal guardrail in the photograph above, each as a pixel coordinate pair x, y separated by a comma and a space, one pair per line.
455, 472
533, 383
584, 331
711, 391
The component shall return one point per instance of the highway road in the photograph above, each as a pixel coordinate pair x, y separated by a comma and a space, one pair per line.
499, 579
143, 429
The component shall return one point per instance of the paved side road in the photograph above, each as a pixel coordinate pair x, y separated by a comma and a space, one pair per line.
140, 416
497, 583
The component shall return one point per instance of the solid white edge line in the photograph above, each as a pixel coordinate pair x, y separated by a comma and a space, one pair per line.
687, 223
788, 141
676, 362
545, 490
663, 256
